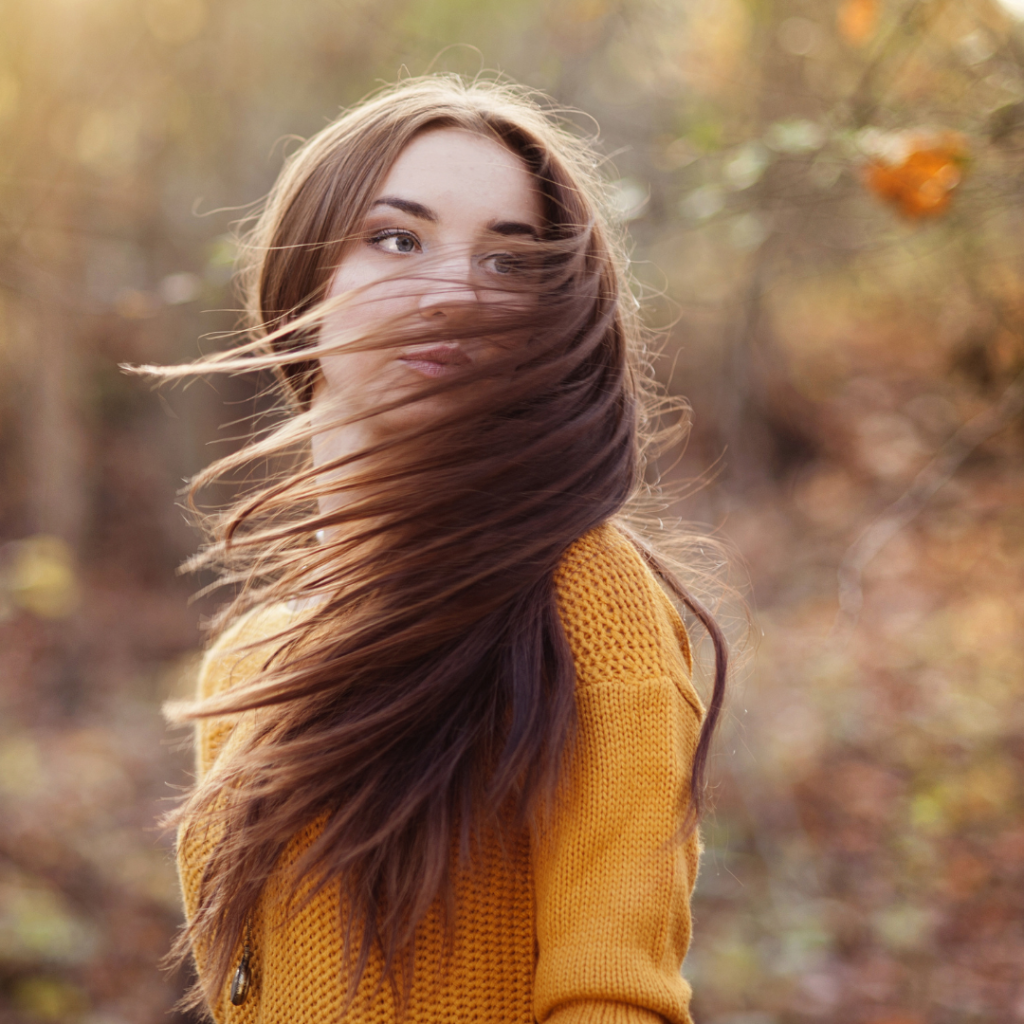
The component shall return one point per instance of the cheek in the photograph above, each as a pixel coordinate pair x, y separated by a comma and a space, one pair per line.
360, 315
346, 376
517, 294
376, 291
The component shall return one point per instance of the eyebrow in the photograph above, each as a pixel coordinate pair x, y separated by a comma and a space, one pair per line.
417, 210
421, 212
513, 227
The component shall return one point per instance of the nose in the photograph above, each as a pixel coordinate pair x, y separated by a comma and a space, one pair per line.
448, 287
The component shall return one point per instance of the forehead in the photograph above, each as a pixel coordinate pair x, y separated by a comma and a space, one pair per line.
460, 169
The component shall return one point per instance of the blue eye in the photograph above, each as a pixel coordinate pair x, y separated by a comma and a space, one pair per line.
396, 241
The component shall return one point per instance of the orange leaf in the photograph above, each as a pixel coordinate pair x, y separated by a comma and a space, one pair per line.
858, 20
922, 183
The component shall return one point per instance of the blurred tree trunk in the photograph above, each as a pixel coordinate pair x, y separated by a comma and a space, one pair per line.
51, 369
54, 436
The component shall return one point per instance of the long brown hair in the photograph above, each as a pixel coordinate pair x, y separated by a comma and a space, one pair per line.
427, 688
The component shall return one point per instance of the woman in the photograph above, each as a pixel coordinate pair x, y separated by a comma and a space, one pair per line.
450, 762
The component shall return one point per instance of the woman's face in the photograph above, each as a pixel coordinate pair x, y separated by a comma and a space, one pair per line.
442, 220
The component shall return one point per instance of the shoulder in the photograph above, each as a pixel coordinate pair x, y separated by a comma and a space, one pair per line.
620, 624
239, 653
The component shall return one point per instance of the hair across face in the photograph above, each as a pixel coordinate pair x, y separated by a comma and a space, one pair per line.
433, 283
434, 246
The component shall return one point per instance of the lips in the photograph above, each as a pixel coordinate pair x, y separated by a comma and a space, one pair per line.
435, 360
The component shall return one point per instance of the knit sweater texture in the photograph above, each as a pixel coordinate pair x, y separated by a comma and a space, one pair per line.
582, 920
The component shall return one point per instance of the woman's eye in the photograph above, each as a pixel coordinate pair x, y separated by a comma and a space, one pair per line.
503, 263
396, 241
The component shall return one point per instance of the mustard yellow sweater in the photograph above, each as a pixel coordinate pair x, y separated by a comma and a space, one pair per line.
585, 921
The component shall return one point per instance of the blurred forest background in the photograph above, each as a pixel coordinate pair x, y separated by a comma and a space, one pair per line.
825, 201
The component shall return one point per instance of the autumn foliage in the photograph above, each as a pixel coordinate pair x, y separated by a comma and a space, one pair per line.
858, 20
921, 181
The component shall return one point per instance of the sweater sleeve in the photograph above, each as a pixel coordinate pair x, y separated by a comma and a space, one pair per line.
613, 882
227, 663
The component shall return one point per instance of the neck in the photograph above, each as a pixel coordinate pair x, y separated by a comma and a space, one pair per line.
333, 440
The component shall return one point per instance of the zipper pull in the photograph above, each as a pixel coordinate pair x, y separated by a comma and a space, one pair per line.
242, 981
